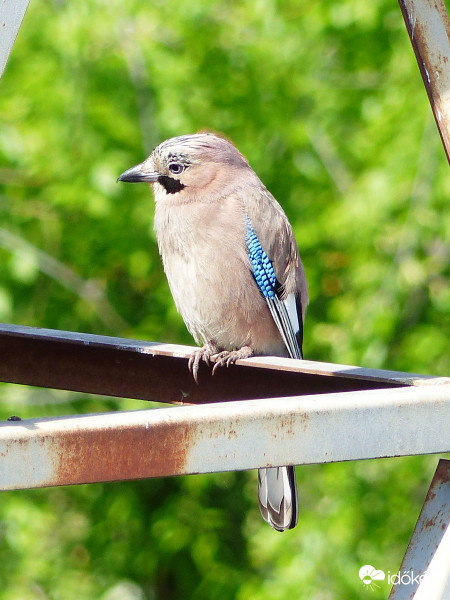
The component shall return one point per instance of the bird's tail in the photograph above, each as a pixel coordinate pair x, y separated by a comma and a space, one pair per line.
277, 494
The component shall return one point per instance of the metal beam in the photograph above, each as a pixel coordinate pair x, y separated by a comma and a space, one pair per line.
429, 29
151, 371
224, 437
11, 17
425, 570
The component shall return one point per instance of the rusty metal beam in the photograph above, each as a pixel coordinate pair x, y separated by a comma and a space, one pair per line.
224, 436
425, 570
151, 371
429, 29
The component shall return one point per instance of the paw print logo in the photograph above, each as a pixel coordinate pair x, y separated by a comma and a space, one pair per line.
369, 575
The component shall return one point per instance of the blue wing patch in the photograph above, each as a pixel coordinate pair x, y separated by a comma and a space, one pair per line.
263, 270
267, 282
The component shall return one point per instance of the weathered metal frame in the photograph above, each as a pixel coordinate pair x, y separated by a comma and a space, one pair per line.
264, 411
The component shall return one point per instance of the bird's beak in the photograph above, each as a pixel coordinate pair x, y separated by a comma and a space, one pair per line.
138, 174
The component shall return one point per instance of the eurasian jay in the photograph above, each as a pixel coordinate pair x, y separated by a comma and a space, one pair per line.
233, 268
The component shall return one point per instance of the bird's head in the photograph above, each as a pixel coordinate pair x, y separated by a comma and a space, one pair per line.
189, 165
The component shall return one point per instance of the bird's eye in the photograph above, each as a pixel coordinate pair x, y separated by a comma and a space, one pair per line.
176, 168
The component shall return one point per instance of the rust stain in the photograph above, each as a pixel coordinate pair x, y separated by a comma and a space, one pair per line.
232, 434
443, 471
129, 453
288, 424
429, 523
431, 495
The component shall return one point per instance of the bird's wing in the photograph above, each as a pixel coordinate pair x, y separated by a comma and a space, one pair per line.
277, 267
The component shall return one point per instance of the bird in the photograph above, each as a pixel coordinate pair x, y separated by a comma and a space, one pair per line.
233, 268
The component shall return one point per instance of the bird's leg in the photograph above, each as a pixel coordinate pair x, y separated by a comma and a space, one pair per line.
230, 357
204, 353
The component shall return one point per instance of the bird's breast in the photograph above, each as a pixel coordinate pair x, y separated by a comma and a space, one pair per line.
206, 262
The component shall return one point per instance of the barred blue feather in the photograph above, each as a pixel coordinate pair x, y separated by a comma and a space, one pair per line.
267, 282
263, 270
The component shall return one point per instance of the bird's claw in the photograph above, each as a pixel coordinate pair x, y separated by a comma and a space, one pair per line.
230, 357
205, 353
209, 353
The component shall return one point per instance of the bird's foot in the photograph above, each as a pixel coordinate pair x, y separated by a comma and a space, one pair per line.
205, 353
230, 357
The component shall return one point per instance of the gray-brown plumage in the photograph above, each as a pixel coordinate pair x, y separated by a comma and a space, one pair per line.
233, 268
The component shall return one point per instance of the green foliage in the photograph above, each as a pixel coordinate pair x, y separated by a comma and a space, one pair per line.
326, 101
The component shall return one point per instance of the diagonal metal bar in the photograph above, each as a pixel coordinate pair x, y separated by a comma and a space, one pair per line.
12, 13
429, 29
159, 372
425, 570
224, 436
